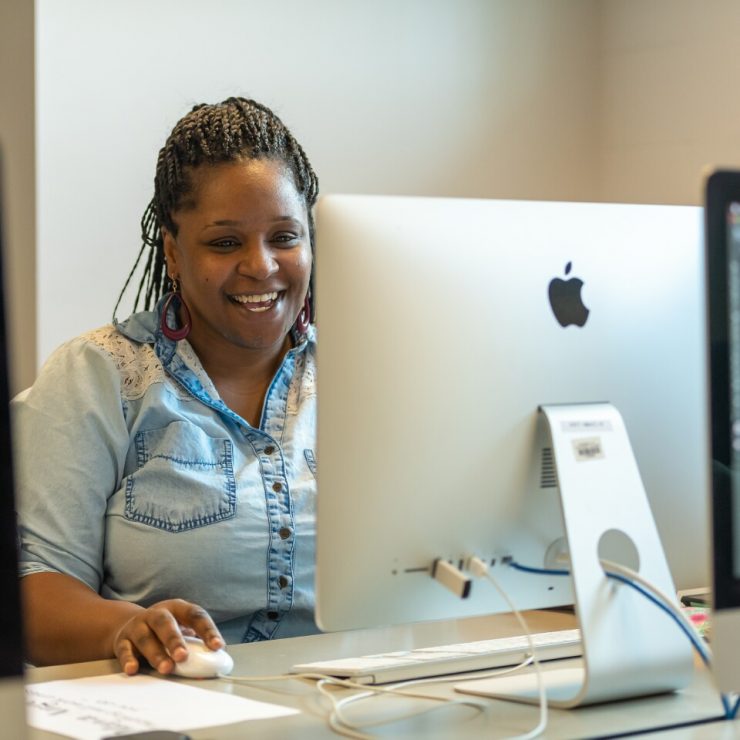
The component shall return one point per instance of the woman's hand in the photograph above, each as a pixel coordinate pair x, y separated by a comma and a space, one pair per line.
156, 634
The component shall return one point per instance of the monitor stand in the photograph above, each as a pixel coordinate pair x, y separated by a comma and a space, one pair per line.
630, 646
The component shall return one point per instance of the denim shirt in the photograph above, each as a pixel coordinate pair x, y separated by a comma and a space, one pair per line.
134, 477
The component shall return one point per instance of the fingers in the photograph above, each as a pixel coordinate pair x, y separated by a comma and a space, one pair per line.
156, 634
136, 639
126, 657
199, 620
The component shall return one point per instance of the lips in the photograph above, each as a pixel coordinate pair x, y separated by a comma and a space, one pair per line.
256, 302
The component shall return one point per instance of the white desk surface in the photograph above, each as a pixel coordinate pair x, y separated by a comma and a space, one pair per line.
502, 719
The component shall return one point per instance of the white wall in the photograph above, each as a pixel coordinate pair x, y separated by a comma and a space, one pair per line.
669, 103
624, 100
487, 98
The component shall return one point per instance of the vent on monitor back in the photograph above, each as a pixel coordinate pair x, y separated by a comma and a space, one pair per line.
548, 474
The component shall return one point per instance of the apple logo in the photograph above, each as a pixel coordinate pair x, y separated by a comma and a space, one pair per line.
565, 300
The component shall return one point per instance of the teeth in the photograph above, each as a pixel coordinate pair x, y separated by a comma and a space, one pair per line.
256, 298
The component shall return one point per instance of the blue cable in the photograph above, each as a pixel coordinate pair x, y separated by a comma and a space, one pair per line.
730, 712
733, 711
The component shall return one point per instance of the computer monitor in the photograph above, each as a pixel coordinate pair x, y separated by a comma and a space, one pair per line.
12, 699
723, 291
438, 343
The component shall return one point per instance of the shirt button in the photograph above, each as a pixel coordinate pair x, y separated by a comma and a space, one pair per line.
277, 487
269, 450
282, 581
284, 533
272, 615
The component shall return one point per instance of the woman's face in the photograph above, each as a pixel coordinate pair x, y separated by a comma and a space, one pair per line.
242, 255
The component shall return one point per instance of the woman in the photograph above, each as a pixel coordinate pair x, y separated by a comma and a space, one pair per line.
165, 464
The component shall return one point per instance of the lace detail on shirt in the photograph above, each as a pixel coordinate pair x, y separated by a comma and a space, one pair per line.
303, 383
137, 363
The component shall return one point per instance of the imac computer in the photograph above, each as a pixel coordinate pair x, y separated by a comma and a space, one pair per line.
476, 359
723, 291
12, 698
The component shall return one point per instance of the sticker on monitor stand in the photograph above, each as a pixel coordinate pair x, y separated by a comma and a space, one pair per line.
588, 448
586, 425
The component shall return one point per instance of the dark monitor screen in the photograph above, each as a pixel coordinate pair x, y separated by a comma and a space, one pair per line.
11, 662
723, 289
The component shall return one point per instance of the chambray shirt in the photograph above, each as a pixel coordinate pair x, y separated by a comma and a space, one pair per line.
134, 477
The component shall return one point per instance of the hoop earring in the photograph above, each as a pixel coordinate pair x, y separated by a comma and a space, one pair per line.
175, 334
304, 318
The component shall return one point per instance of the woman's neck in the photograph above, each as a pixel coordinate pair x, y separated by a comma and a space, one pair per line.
242, 376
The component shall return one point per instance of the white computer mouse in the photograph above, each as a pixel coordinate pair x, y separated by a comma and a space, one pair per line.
202, 662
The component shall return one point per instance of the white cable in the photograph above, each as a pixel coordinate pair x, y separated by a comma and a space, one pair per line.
336, 717
346, 683
462, 677
667, 601
480, 569
322, 681
340, 723
633, 575
398, 687
444, 703
367, 691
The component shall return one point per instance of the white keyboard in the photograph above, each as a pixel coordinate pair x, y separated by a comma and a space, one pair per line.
407, 665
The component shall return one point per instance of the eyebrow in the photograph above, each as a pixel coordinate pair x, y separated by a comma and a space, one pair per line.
231, 222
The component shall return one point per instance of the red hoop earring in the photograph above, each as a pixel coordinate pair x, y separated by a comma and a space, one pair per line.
175, 334
304, 317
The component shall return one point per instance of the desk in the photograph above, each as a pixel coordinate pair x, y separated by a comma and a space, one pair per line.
502, 719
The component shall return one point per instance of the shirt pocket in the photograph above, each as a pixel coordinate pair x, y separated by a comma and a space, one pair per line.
185, 479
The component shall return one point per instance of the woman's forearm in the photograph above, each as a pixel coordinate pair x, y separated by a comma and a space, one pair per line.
65, 621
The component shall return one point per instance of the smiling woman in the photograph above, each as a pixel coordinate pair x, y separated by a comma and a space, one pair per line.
175, 494
242, 254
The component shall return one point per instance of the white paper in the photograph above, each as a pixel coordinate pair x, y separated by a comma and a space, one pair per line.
99, 706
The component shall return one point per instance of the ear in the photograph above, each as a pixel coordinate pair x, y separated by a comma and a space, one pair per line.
170, 252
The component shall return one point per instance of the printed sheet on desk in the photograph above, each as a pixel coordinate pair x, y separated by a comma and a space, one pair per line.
99, 706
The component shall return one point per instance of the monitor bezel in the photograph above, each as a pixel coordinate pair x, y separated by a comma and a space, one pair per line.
722, 189
11, 644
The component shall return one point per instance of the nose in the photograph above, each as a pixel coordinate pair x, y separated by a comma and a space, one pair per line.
257, 260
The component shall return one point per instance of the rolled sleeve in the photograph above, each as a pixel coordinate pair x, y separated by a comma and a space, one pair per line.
70, 443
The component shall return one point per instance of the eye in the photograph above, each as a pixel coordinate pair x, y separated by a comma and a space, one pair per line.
226, 242
285, 238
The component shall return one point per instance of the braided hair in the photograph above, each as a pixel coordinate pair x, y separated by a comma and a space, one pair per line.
236, 129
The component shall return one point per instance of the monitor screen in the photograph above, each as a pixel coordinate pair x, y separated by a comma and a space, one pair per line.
444, 324
733, 308
723, 289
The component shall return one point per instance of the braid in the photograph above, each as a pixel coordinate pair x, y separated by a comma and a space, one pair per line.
235, 129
